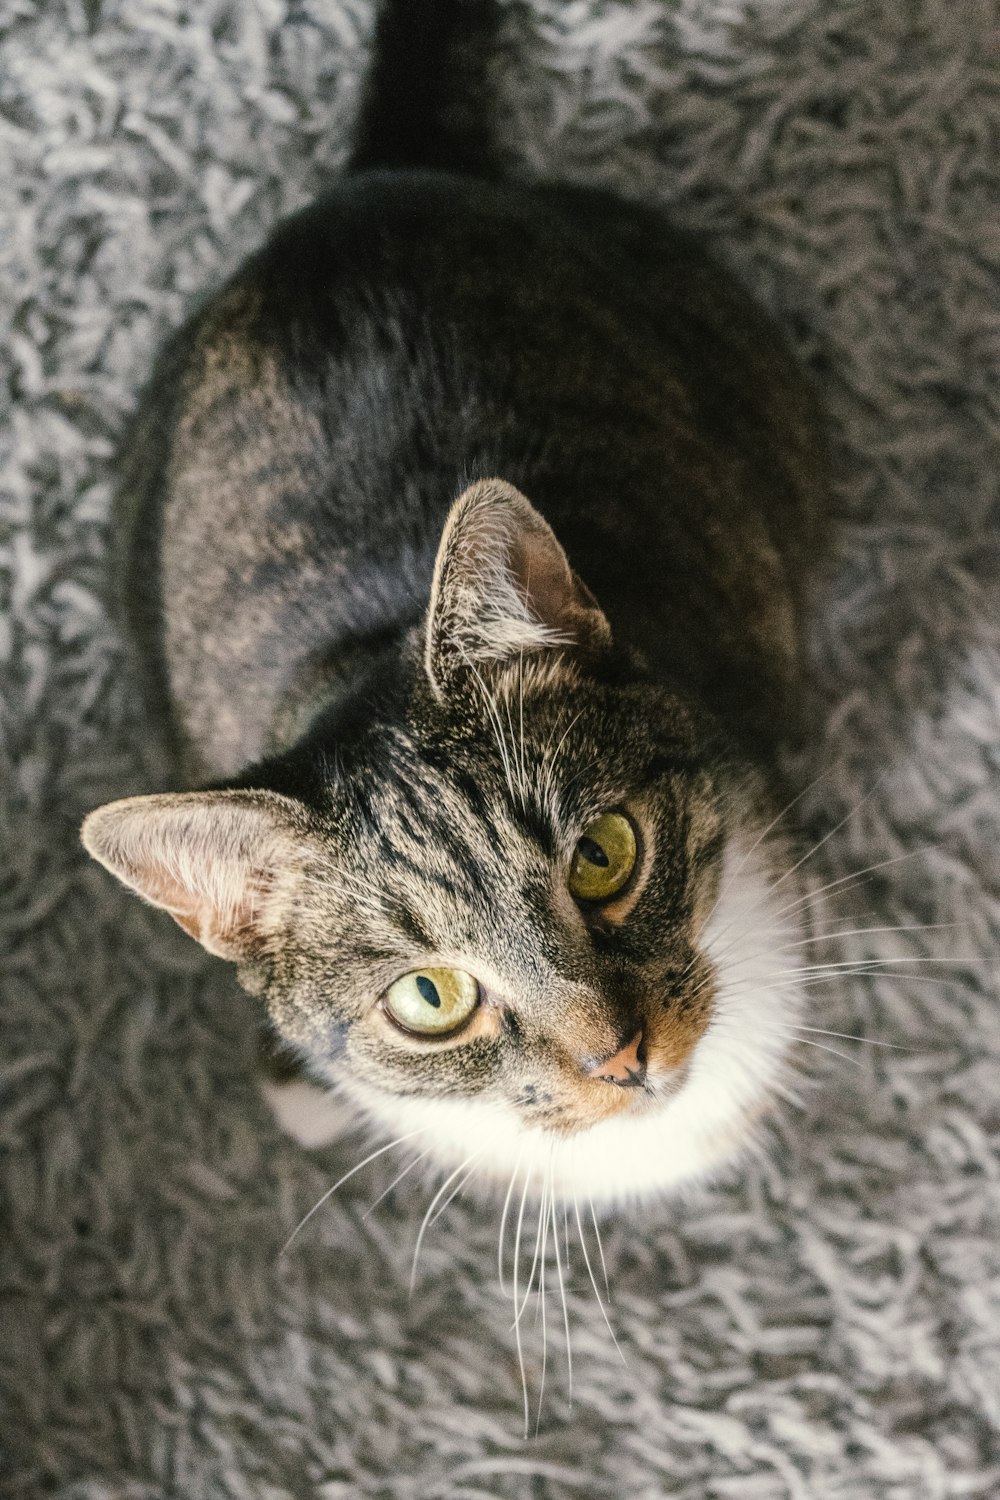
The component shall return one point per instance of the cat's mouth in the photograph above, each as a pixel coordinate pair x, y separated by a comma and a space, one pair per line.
600, 1102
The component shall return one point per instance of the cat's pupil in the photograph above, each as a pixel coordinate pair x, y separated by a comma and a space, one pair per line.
428, 990
593, 853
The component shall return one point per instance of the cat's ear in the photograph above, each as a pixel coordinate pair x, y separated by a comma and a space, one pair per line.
502, 587
216, 861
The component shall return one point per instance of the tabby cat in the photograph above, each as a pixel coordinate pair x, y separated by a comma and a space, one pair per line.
464, 537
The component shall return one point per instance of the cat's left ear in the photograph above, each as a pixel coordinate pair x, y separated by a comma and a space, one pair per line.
503, 586
219, 862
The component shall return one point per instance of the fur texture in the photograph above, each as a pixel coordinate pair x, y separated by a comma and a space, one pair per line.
301, 441
826, 1323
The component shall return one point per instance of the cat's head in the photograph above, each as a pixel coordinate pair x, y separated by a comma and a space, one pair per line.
527, 912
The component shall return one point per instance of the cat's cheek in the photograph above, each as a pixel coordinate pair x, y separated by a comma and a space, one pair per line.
384, 1057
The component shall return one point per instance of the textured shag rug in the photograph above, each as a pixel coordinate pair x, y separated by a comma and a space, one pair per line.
825, 1326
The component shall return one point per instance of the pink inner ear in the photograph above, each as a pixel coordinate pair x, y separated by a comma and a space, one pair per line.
553, 592
544, 579
223, 922
209, 859
503, 587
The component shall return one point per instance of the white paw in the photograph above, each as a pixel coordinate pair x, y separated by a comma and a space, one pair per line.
310, 1114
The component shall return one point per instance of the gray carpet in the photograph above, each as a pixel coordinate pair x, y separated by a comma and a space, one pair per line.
827, 1324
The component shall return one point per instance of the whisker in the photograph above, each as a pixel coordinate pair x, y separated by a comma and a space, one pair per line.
583, 771
340, 1183
427, 1217
503, 1226
819, 939
554, 761
541, 1304
556, 793
600, 1246
807, 983
821, 1047
520, 710
810, 896
854, 878
593, 1280
814, 849
565, 1309
849, 1036
513, 752
395, 1183
835, 829
365, 898
834, 934
514, 1289
869, 965
494, 713
534, 1261
456, 1190
762, 836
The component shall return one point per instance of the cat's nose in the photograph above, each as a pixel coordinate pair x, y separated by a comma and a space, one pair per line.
626, 1067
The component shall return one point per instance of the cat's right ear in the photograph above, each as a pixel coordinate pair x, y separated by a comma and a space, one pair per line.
219, 862
503, 588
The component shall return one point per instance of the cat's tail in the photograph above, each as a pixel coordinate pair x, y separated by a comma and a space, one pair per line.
428, 72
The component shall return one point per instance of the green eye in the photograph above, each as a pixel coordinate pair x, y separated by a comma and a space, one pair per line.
604, 858
432, 1001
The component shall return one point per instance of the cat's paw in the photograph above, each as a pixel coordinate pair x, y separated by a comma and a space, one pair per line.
309, 1114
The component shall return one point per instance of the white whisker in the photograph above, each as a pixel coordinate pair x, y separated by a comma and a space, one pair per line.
818, 939
427, 1219
503, 1225
820, 1046
814, 979
565, 1309
455, 1190
593, 1280
600, 1247
552, 762
541, 1304
850, 1037
870, 965
520, 709
395, 1182
834, 935
854, 878
514, 1290
811, 895
827, 836
741, 864
340, 1183
519, 1311
494, 713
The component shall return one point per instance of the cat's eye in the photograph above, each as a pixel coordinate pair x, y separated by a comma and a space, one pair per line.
603, 859
432, 1002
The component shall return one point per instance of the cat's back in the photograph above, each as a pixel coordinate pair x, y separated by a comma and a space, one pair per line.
299, 448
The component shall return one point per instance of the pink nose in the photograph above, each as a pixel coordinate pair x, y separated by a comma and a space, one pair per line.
626, 1068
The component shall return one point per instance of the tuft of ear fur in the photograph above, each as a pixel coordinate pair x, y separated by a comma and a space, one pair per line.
503, 586
213, 860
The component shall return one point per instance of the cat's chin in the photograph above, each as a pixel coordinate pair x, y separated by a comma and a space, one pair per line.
737, 1073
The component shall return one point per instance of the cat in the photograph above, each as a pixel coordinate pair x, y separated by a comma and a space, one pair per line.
465, 537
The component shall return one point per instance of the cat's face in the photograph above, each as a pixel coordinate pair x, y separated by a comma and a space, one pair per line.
454, 970
521, 917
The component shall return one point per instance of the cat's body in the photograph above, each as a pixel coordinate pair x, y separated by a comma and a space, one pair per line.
410, 793
412, 332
